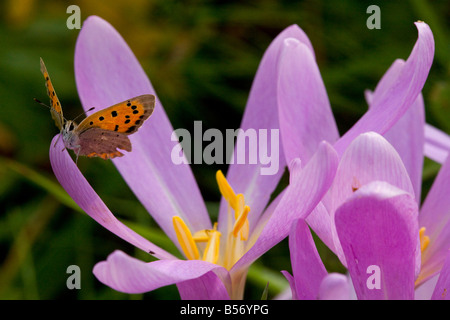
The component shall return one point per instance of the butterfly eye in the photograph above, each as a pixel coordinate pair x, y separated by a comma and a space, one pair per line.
70, 126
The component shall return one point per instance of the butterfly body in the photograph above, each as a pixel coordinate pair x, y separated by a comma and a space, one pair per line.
103, 132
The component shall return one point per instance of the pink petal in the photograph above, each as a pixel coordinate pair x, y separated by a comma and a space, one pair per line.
107, 72
368, 158
207, 287
127, 274
387, 80
437, 144
435, 217
378, 230
407, 137
307, 267
261, 113
335, 286
398, 92
442, 290
320, 221
72, 180
291, 282
303, 106
425, 290
306, 189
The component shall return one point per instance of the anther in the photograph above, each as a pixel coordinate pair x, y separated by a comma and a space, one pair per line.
185, 239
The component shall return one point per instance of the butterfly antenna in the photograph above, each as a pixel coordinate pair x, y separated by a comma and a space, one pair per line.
83, 113
47, 106
41, 103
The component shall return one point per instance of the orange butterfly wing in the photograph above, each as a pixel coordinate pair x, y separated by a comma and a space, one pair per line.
101, 133
55, 108
124, 117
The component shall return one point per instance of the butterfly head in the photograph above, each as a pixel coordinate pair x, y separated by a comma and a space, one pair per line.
70, 126
70, 138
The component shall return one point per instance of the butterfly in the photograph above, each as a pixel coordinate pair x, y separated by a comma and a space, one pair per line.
103, 132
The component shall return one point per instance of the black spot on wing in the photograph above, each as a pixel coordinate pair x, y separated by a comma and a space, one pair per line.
131, 129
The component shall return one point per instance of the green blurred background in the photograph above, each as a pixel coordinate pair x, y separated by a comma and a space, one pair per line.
201, 57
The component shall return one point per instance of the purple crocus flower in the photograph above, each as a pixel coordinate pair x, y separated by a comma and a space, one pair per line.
376, 228
106, 72
396, 110
306, 117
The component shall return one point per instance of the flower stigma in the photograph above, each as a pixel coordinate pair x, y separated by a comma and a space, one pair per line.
206, 244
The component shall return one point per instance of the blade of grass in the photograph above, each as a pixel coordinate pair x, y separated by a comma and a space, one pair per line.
260, 276
19, 251
40, 180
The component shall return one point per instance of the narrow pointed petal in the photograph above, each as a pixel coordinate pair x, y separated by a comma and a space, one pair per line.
425, 290
130, 275
71, 179
307, 267
378, 230
107, 72
303, 106
437, 144
320, 221
399, 92
261, 113
384, 85
407, 136
335, 286
304, 192
442, 290
291, 282
435, 217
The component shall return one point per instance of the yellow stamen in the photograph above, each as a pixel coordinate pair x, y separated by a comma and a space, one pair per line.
185, 239
226, 190
240, 215
206, 244
240, 203
211, 253
245, 230
241, 221
424, 240
201, 236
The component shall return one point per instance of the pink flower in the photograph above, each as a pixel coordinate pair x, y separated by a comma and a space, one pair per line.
370, 216
107, 72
